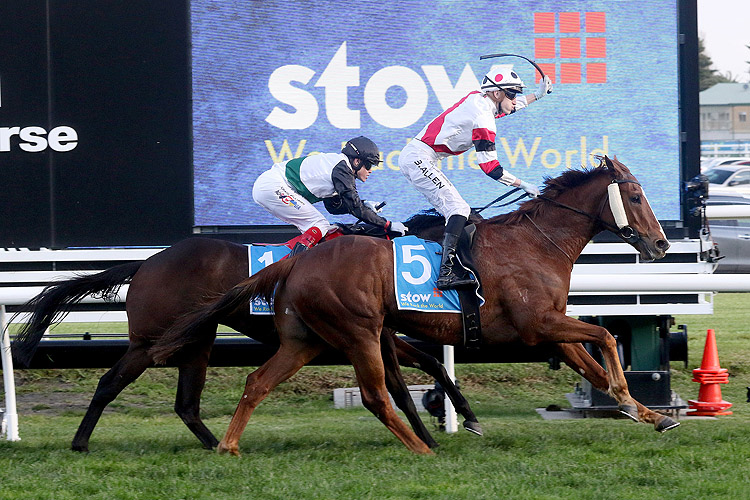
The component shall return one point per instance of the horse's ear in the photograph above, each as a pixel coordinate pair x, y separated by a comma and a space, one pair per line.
616, 167
609, 162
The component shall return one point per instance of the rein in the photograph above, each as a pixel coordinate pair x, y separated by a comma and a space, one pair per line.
551, 240
501, 198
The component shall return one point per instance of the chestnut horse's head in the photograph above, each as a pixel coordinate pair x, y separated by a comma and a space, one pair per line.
631, 216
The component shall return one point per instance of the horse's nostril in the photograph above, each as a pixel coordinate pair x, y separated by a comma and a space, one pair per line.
662, 245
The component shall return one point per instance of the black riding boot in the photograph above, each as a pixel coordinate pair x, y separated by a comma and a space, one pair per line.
297, 249
452, 274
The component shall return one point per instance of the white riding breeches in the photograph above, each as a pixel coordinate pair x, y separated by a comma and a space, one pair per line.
272, 191
418, 163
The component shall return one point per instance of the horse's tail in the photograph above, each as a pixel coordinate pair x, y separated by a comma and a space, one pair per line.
188, 328
57, 299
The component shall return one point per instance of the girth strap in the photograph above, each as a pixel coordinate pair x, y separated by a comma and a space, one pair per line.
467, 297
471, 321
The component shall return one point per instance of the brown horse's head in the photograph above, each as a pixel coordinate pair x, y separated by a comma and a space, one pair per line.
631, 213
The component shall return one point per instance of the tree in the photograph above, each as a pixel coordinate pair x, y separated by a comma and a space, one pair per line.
708, 76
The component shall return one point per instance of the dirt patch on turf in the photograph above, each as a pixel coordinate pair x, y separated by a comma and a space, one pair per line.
52, 403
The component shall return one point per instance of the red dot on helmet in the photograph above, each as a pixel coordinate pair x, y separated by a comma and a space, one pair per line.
498, 77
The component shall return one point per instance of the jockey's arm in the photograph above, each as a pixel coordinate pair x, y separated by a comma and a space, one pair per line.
335, 206
344, 183
487, 158
545, 87
484, 143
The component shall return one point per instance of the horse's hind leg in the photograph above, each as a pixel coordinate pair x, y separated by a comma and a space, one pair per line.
578, 358
368, 365
356, 332
394, 380
408, 355
293, 354
128, 368
192, 378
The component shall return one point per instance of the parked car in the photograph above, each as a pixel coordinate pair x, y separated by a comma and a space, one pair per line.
733, 179
709, 163
732, 236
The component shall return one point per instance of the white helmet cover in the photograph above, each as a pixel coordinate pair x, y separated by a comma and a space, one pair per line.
502, 77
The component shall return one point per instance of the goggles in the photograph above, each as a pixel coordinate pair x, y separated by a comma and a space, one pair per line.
510, 93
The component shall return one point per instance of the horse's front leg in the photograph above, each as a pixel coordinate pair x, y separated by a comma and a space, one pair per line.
559, 328
409, 355
579, 359
394, 381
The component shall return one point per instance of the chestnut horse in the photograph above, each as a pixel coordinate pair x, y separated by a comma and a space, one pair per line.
341, 294
176, 281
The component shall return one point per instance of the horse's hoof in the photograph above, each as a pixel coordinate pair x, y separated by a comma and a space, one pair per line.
629, 411
666, 424
81, 448
222, 449
473, 427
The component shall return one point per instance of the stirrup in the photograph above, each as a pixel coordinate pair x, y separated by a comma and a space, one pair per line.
298, 248
450, 281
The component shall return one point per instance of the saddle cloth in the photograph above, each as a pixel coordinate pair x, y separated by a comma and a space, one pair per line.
416, 265
260, 256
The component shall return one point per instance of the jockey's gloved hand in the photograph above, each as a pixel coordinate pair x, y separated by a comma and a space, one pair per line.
374, 205
396, 227
545, 87
530, 189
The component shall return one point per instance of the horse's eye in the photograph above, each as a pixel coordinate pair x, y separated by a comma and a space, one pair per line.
635, 199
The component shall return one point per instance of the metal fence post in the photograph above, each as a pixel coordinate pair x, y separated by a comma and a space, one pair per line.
10, 417
451, 421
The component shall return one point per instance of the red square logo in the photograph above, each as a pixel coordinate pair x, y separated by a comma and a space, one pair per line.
570, 48
544, 48
596, 73
570, 22
544, 22
596, 47
596, 22
549, 70
570, 73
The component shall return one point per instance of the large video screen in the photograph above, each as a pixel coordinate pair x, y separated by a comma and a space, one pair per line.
277, 80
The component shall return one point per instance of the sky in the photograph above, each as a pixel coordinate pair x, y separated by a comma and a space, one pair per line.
724, 26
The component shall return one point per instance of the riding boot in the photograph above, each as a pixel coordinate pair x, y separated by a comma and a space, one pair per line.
306, 240
452, 274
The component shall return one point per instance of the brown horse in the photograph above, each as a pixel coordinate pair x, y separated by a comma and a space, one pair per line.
174, 282
341, 294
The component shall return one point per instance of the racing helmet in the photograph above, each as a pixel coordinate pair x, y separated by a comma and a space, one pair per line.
502, 77
363, 148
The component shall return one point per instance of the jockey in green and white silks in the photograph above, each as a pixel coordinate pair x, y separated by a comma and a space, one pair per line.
289, 189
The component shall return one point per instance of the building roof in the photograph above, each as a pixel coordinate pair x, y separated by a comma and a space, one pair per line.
726, 94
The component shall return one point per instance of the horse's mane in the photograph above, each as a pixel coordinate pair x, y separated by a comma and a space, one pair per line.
553, 187
430, 218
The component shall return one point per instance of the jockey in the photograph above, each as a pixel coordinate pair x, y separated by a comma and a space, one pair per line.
468, 123
289, 189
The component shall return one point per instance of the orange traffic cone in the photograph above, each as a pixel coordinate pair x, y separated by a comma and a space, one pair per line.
710, 375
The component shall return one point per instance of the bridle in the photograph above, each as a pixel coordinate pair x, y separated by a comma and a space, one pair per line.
621, 228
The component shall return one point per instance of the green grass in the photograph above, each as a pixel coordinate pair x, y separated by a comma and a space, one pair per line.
297, 446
